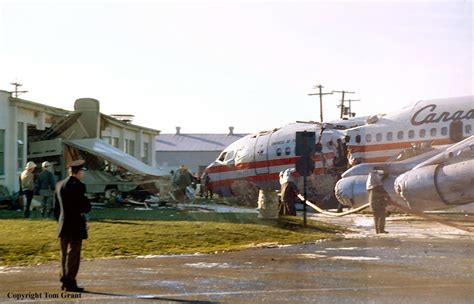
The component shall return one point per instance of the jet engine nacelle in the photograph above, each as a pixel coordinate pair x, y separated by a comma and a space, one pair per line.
351, 191
437, 186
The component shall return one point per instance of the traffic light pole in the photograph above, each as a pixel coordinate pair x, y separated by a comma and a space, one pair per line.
304, 203
305, 148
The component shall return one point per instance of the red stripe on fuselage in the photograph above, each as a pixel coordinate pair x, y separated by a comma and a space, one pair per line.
266, 177
262, 164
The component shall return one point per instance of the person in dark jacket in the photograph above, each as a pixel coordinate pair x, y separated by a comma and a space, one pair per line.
289, 193
70, 206
46, 184
181, 180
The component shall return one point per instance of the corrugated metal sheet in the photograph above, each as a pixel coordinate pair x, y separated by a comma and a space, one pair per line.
116, 156
195, 142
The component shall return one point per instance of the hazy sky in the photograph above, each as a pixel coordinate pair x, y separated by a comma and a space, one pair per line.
207, 65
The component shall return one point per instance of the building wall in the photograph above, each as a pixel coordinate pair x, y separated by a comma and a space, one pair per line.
194, 160
5, 130
124, 138
41, 117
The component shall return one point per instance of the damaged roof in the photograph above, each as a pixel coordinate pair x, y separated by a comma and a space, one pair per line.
195, 142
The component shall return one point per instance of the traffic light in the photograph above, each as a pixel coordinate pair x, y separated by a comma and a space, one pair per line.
305, 143
305, 147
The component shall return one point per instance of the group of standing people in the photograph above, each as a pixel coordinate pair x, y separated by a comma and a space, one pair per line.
43, 186
182, 179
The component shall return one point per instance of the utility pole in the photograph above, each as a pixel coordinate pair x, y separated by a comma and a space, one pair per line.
342, 105
349, 113
320, 87
16, 92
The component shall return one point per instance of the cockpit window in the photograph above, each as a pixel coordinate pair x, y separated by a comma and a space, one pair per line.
229, 156
222, 156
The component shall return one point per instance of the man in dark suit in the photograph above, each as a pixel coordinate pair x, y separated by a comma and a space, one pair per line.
70, 206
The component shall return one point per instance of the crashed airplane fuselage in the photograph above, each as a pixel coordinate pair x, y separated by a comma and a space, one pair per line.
380, 145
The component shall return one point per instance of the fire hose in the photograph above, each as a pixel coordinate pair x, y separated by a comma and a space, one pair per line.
401, 207
301, 197
431, 218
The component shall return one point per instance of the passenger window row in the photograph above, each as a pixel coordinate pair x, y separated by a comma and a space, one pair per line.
422, 133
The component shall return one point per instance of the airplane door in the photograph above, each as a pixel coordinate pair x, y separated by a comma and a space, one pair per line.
456, 130
261, 154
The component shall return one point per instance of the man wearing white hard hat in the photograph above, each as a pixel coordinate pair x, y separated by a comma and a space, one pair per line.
378, 199
46, 183
28, 185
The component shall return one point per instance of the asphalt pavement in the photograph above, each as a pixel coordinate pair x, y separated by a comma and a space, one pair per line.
417, 262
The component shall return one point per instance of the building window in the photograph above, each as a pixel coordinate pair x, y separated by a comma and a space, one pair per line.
287, 151
444, 131
422, 133
400, 135
378, 137
368, 137
146, 150
20, 145
389, 136
115, 142
130, 147
433, 132
2, 151
411, 134
278, 151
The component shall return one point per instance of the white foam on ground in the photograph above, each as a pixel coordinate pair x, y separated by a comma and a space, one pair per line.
220, 208
312, 256
344, 248
6, 269
208, 265
154, 256
355, 258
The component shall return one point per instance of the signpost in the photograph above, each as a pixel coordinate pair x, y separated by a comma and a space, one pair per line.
305, 147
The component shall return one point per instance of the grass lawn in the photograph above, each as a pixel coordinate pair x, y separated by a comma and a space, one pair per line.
128, 232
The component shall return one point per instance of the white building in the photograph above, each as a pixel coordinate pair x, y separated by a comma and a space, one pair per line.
31, 131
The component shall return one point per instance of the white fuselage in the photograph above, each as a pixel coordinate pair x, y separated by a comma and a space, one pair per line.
258, 158
440, 123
